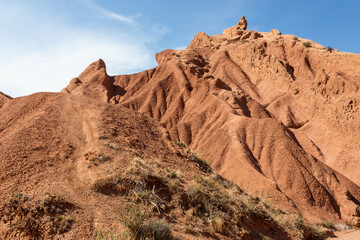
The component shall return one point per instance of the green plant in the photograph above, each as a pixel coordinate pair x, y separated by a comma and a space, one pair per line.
112, 185
172, 173
96, 158
133, 222
105, 235
202, 164
62, 224
328, 224
157, 230
173, 184
218, 225
181, 144
307, 44
307, 230
207, 198
139, 229
102, 157
27, 218
144, 195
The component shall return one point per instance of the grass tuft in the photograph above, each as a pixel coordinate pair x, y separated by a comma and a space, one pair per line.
307, 44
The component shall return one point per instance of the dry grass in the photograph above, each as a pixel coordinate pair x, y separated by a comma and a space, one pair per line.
27, 218
138, 228
307, 44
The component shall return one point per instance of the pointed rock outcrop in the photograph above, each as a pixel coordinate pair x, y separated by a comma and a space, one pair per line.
93, 82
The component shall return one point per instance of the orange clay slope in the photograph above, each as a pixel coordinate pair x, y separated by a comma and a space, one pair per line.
4, 98
277, 114
70, 164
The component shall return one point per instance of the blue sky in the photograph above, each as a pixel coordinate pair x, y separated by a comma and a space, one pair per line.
45, 43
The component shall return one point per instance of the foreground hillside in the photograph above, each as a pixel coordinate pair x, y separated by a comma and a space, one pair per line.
76, 168
274, 113
242, 135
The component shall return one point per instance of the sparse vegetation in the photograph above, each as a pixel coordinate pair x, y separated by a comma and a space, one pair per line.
328, 224
181, 144
202, 164
307, 44
307, 230
173, 184
173, 174
27, 218
96, 158
140, 229
112, 185
218, 205
112, 145
329, 49
296, 39
105, 235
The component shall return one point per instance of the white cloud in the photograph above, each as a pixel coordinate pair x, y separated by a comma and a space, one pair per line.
51, 69
108, 14
43, 53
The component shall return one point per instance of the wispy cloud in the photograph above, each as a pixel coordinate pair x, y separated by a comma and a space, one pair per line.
45, 58
50, 69
109, 14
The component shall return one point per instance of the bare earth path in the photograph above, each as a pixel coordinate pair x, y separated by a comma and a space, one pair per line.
349, 236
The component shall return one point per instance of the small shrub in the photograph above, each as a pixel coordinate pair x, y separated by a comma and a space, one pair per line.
330, 49
62, 224
296, 39
112, 145
27, 218
157, 230
207, 198
173, 174
307, 230
52, 205
307, 44
328, 224
133, 222
143, 195
202, 164
112, 185
138, 229
102, 157
218, 225
105, 235
96, 158
173, 184
181, 144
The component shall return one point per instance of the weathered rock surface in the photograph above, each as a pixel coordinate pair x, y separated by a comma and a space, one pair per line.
4, 98
276, 117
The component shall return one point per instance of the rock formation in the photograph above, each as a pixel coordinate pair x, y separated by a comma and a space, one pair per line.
242, 24
274, 116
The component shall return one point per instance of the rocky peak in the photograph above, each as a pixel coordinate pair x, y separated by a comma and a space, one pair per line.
242, 24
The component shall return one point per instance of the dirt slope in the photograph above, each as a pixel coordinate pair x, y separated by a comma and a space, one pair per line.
275, 113
69, 164
4, 98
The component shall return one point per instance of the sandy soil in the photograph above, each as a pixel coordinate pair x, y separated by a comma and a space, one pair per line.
355, 235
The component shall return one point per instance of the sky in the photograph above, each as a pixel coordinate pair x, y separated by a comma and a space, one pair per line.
45, 43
